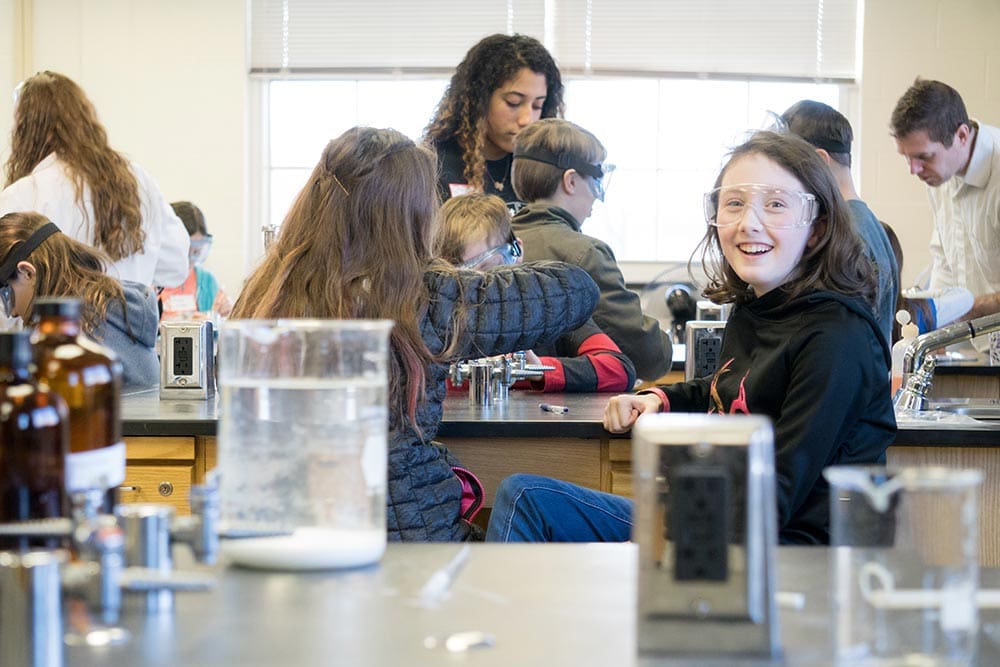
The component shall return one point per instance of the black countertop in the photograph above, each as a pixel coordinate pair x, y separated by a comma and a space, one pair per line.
144, 414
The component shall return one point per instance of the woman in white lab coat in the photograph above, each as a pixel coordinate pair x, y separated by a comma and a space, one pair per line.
61, 166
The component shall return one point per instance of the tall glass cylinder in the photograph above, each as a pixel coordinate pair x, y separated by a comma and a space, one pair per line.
303, 434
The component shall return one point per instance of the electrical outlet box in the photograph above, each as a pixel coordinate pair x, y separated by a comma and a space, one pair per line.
705, 524
187, 360
699, 521
706, 310
703, 348
183, 351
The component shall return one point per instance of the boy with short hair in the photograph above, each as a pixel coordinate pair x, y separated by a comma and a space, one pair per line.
559, 171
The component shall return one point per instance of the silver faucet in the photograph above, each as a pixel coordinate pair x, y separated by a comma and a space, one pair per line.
918, 360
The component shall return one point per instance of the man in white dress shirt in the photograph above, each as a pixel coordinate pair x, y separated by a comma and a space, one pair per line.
959, 159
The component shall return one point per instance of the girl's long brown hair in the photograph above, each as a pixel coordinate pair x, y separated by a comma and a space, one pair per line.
65, 267
356, 244
53, 115
492, 62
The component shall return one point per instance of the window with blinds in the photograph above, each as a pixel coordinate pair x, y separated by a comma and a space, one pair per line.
801, 39
668, 87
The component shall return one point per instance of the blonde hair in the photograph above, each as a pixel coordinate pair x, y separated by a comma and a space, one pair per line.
469, 218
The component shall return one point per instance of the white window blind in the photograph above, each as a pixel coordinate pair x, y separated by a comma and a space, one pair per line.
800, 39
318, 35
806, 39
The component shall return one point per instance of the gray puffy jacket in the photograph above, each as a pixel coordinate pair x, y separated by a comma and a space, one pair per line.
507, 309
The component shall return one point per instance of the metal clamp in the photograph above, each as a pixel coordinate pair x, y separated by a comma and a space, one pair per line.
490, 378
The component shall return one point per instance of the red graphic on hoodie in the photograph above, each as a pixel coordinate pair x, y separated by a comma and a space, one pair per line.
739, 404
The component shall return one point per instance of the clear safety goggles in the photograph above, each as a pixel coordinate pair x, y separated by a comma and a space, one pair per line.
776, 208
509, 252
599, 184
199, 249
598, 175
6, 300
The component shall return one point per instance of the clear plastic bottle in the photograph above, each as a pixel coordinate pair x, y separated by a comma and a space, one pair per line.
34, 441
88, 376
908, 331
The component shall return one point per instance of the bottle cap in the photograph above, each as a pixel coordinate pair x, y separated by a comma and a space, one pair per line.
903, 317
909, 330
15, 349
57, 306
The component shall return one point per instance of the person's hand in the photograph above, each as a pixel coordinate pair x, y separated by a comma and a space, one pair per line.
222, 305
622, 410
531, 358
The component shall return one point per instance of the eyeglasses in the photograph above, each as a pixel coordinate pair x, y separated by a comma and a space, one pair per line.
776, 208
509, 251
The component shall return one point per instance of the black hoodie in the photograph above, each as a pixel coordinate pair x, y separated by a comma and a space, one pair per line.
819, 368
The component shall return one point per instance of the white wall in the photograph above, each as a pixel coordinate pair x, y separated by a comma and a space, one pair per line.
170, 82
168, 79
7, 77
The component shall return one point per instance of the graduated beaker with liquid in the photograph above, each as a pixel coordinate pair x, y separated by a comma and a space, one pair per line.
303, 441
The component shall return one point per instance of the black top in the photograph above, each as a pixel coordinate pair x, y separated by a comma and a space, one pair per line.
818, 366
451, 175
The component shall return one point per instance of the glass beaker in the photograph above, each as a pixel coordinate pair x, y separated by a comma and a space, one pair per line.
906, 565
303, 441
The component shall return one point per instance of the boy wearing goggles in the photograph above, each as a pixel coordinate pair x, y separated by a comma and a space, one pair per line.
560, 171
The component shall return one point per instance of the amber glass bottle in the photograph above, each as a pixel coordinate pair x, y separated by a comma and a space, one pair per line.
88, 376
34, 441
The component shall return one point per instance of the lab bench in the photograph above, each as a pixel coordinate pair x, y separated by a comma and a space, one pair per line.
552, 604
172, 444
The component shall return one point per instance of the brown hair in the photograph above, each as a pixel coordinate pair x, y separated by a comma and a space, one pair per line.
492, 62
191, 216
823, 127
932, 106
535, 180
837, 261
64, 267
469, 218
356, 244
53, 115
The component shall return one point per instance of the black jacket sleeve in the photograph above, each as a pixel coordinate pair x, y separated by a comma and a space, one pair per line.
506, 309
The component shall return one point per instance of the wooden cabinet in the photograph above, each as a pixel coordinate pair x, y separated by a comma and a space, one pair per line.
162, 469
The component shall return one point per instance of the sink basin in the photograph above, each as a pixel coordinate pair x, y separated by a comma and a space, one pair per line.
977, 408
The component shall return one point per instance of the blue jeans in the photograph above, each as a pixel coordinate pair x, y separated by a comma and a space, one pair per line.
531, 508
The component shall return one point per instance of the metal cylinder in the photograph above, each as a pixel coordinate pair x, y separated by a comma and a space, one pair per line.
30, 609
481, 387
147, 544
